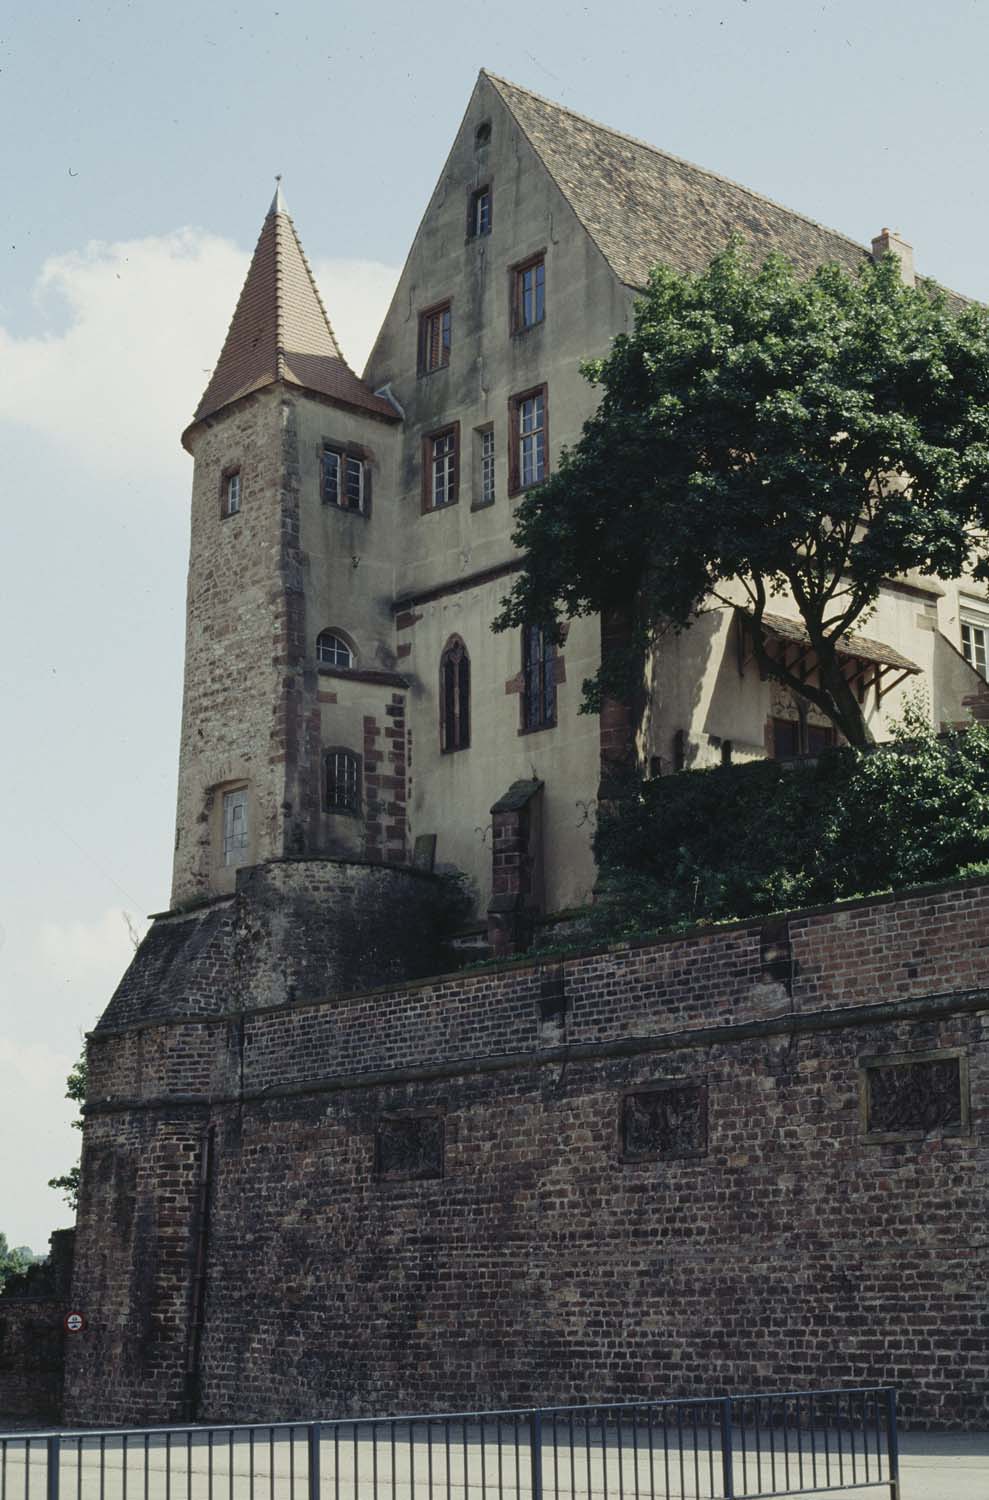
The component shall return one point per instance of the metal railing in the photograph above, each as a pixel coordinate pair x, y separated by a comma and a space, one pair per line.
708, 1448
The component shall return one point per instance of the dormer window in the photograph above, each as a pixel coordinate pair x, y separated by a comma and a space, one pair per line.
230, 493
333, 651
479, 213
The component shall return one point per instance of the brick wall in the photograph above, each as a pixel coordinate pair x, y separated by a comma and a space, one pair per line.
32, 1309
638, 1171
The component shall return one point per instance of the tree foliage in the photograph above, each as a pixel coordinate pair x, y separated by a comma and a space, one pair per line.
758, 433
75, 1088
739, 841
13, 1262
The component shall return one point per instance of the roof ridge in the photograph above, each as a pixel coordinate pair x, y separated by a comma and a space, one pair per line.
670, 156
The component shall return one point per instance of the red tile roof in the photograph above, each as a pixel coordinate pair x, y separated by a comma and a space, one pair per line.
280, 331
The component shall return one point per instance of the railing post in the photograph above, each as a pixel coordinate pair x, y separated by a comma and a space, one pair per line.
727, 1452
314, 1436
536, 1453
54, 1445
892, 1445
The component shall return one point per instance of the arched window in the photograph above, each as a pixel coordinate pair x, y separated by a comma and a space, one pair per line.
342, 781
332, 650
454, 696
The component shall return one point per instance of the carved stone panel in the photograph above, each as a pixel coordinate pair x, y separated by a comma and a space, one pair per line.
664, 1122
906, 1096
410, 1147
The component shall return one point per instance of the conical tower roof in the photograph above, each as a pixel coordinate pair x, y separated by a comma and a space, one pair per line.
280, 331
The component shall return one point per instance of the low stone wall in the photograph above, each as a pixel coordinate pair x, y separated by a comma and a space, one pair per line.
32, 1337
749, 1157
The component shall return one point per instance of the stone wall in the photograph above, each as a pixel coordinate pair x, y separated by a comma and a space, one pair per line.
744, 1158
294, 929
32, 1310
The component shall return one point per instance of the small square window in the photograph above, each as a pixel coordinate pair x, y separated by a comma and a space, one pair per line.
529, 294
479, 213
440, 468
230, 493
344, 479
434, 339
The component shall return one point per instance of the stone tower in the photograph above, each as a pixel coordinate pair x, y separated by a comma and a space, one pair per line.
290, 582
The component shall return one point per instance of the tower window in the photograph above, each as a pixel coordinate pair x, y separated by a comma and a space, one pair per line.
528, 418
235, 826
344, 479
440, 465
529, 294
434, 339
455, 697
230, 493
479, 213
333, 651
342, 781
538, 678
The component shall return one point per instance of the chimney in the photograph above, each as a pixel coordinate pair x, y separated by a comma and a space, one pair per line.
887, 242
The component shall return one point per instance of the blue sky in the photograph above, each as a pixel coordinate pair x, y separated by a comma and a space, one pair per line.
139, 147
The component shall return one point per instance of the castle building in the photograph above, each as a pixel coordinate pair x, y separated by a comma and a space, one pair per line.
351, 537
315, 1180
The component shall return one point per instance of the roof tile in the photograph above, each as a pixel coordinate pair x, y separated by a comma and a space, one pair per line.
280, 331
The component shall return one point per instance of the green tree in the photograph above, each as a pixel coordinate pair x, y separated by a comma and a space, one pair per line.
76, 1083
757, 434
12, 1261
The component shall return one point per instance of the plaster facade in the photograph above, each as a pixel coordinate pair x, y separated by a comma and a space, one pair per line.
400, 578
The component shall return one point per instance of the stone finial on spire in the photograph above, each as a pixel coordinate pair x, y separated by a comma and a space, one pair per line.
278, 201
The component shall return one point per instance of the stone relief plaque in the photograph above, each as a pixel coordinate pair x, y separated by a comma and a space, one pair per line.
410, 1147
913, 1095
664, 1122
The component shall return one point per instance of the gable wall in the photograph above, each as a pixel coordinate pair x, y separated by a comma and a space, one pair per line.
585, 307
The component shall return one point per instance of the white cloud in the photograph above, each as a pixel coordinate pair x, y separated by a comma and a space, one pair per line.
116, 381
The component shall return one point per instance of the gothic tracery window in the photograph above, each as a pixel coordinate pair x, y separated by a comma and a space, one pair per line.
454, 696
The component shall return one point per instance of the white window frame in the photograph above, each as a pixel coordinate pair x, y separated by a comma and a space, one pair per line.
973, 632
348, 466
443, 469
532, 439
233, 493
329, 655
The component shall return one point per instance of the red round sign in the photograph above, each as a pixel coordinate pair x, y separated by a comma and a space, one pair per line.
74, 1322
